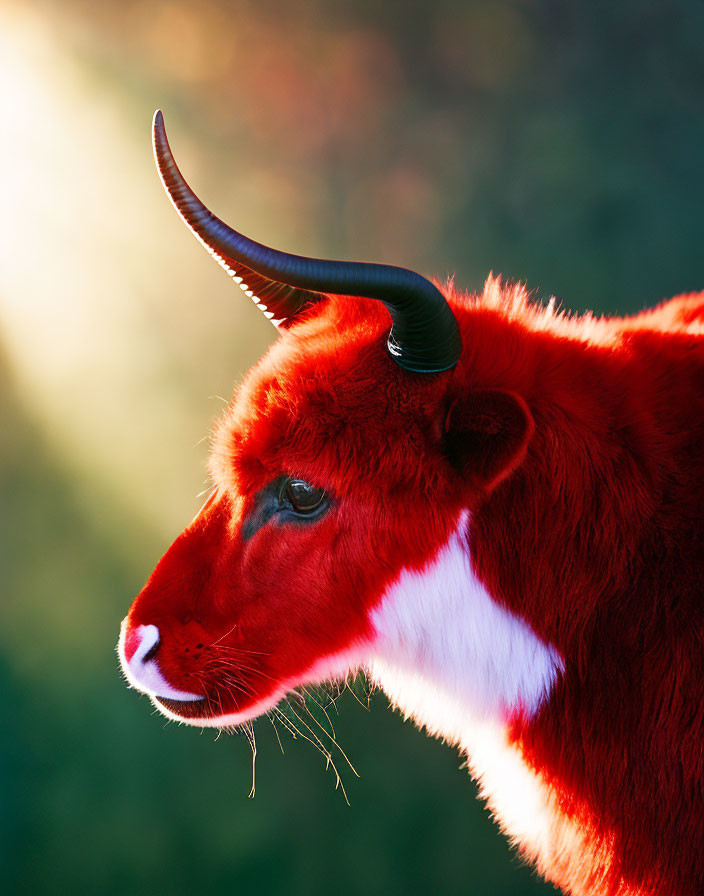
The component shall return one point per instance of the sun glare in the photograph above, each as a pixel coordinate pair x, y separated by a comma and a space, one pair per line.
91, 254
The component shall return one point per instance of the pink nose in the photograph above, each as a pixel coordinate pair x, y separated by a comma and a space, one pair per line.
139, 648
144, 640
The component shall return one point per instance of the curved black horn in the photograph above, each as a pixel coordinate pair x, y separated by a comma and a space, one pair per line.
424, 335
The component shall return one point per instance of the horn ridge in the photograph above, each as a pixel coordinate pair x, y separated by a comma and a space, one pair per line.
424, 335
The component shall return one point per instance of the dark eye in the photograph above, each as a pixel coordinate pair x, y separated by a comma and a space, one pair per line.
303, 497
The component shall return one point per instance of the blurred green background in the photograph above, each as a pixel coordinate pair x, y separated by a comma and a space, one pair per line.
555, 142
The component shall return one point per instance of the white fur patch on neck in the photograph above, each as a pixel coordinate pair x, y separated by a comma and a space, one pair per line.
447, 654
458, 663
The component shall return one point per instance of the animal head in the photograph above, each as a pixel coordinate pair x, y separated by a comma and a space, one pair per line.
347, 455
493, 508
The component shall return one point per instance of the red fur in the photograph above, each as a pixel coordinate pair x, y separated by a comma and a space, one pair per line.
576, 444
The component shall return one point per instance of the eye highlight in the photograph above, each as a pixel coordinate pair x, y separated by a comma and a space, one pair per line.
302, 497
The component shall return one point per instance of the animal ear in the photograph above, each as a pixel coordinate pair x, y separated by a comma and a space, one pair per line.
486, 435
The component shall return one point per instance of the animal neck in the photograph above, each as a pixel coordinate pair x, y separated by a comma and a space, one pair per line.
464, 667
449, 655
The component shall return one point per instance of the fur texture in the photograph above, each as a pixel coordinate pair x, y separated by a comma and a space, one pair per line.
441, 626
558, 473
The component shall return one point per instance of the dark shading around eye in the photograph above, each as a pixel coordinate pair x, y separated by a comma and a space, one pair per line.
287, 499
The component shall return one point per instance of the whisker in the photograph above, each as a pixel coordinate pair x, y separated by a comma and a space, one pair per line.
287, 723
276, 732
224, 666
328, 756
354, 694
317, 743
229, 681
247, 662
216, 646
224, 636
332, 738
312, 696
247, 729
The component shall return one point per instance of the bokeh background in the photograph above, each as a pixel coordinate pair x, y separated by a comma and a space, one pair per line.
559, 143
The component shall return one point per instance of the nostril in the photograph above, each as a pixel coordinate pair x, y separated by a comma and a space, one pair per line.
149, 643
151, 653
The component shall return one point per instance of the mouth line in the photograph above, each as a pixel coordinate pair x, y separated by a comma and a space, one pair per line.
208, 711
187, 709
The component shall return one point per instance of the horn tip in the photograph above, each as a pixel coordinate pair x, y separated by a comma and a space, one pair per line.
158, 122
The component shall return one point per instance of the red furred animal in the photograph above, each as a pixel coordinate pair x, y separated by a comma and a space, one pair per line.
496, 511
